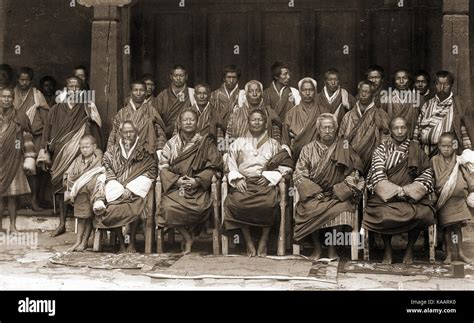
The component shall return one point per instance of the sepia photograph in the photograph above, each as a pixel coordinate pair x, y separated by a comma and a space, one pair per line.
239, 145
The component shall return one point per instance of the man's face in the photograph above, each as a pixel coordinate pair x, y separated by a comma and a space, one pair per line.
254, 94
421, 84
138, 93
48, 88
443, 87
188, 122
80, 73
129, 135
399, 130
445, 146
307, 92
256, 123
327, 130
332, 82
150, 88
375, 77
401, 80
6, 99
73, 86
4, 78
284, 77
365, 94
87, 147
24, 81
230, 80
201, 94
179, 78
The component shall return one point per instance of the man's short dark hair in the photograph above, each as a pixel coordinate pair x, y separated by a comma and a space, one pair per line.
231, 69
178, 67
148, 77
10, 89
7, 68
332, 71
365, 82
259, 111
398, 118
26, 70
204, 85
407, 72
48, 78
422, 73
90, 137
81, 67
377, 68
277, 67
447, 74
447, 135
137, 82
72, 77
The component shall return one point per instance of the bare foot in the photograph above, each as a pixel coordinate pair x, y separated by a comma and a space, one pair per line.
332, 253
74, 247
262, 249
59, 230
131, 249
316, 254
82, 246
387, 257
187, 247
251, 252
122, 248
408, 258
36, 208
13, 229
463, 258
447, 260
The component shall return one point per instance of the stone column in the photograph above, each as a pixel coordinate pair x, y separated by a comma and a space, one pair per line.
455, 43
106, 70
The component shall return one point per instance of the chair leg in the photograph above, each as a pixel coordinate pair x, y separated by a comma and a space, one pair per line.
296, 249
159, 240
225, 245
432, 242
216, 230
97, 246
282, 234
355, 236
366, 245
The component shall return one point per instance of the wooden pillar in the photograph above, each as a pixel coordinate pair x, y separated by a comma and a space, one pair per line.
455, 44
3, 16
107, 50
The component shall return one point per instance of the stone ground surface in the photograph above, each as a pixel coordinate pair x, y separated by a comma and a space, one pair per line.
27, 268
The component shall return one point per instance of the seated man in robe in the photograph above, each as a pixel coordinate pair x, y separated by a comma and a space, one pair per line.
256, 164
298, 127
399, 181
130, 171
80, 182
187, 164
327, 179
454, 178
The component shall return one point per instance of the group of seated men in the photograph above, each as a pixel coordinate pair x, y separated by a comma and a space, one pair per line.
402, 145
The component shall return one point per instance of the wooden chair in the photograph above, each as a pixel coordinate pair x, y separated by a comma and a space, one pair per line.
281, 234
365, 233
160, 232
354, 234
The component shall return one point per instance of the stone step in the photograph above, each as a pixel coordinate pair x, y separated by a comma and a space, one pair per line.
45, 220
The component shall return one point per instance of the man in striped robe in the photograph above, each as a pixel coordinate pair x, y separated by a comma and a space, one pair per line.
31, 101
365, 126
67, 122
333, 98
399, 182
326, 177
443, 113
228, 97
279, 95
172, 100
17, 157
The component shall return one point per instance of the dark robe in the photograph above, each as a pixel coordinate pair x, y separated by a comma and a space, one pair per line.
169, 107
336, 105
281, 105
224, 103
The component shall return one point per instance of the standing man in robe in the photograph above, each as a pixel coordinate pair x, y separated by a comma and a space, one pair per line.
422, 81
333, 98
172, 100
280, 96
31, 101
48, 86
15, 162
67, 122
376, 74
82, 73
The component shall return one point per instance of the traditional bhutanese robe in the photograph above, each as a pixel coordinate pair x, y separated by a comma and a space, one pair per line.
35, 107
401, 105
251, 158
198, 159
338, 103
81, 183
453, 183
299, 127
437, 117
323, 169
170, 104
65, 126
226, 102
425, 98
364, 132
238, 125
151, 128
16, 144
135, 171
393, 166
209, 122
281, 101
